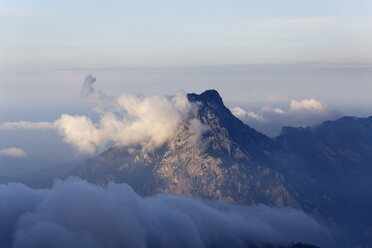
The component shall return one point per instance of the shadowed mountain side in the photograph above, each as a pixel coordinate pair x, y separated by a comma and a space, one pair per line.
337, 155
344, 145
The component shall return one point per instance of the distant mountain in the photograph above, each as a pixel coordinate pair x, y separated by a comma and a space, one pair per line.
324, 170
337, 156
343, 147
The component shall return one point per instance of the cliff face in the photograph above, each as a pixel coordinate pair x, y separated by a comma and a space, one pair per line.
229, 161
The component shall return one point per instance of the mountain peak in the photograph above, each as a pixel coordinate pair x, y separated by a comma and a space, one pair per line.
207, 97
227, 130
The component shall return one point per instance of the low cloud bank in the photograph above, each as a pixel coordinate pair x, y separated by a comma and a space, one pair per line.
13, 152
300, 113
77, 214
129, 120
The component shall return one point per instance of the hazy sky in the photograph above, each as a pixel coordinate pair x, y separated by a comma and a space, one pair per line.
249, 50
255, 53
69, 34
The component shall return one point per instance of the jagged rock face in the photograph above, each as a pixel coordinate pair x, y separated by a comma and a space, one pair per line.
227, 163
229, 129
189, 169
231, 161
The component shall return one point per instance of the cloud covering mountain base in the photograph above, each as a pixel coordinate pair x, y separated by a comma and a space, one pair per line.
77, 214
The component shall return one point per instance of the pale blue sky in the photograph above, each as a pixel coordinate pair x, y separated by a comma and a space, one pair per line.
127, 33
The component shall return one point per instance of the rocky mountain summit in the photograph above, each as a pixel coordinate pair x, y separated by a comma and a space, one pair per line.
324, 170
229, 161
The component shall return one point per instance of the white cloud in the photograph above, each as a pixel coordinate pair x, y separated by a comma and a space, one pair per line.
13, 152
268, 109
27, 125
149, 122
308, 105
242, 114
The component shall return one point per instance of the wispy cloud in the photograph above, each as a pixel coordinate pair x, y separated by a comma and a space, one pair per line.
13, 152
27, 125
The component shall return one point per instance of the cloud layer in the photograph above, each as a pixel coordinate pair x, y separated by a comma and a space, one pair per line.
63, 217
129, 120
13, 152
270, 120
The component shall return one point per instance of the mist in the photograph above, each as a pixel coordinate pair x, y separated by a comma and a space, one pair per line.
74, 213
